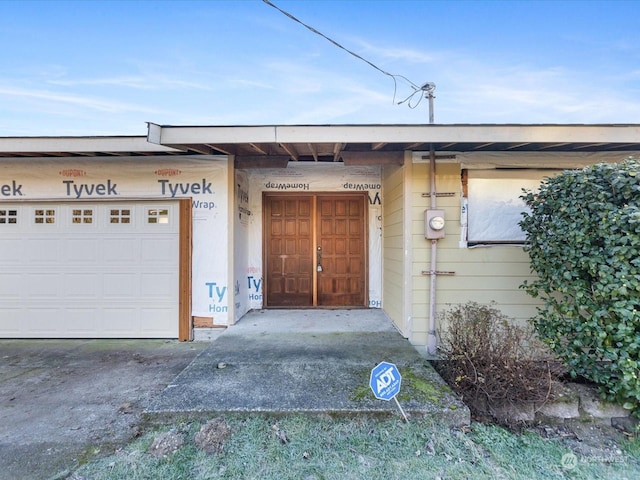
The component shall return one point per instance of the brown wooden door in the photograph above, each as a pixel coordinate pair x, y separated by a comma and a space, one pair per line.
340, 246
315, 250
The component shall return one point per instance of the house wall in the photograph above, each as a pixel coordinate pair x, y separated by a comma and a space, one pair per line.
244, 281
393, 245
481, 274
397, 252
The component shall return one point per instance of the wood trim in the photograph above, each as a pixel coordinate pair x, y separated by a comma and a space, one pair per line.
185, 324
314, 247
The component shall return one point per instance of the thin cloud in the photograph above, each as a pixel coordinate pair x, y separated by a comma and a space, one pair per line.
90, 103
135, 82
396, 53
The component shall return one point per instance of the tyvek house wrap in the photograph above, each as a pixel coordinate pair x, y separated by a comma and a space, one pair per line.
131, 178
303, 178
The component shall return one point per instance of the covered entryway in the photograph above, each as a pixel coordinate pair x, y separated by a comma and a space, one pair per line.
315, 250
90, 269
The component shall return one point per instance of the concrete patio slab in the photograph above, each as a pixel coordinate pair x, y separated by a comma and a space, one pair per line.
307, 361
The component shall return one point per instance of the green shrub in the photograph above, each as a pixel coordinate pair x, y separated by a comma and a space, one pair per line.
492, 363
583, 239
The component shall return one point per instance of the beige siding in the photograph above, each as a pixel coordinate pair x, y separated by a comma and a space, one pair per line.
393, 238
483, 275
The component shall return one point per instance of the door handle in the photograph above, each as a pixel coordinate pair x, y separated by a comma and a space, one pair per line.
319, 259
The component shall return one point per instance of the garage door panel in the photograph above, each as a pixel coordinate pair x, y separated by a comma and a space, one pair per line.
82, 251
11, 250
42, 319
80, 322
159, 321
43, 251
44, 286
121, 250
11, 286
121, 285
10, 321
89, 271
158, 285
155, 250
120, 321
82, 286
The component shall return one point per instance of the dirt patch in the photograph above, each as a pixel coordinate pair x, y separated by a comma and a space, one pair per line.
166, 444
212, 436
590, 441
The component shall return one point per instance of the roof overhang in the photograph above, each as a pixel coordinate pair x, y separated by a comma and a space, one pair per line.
336, 142
356, 144
81, 147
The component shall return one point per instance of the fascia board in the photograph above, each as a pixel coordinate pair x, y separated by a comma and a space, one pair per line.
80, 144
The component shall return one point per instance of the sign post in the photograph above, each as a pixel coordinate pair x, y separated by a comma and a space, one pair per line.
385, 381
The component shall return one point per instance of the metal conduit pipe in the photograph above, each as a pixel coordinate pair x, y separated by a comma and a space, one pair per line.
432, 341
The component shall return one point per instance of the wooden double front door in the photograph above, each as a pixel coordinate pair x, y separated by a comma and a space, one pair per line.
315, 250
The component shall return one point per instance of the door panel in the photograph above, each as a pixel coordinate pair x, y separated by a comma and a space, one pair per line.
289, 243
341, 283
315, 250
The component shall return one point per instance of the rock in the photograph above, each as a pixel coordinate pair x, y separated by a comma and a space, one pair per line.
514, 413
125, 408
593, 406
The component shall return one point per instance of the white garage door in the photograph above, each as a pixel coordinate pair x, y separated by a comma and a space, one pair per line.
89, 270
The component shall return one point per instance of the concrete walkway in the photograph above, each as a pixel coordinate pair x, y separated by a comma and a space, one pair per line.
307, 361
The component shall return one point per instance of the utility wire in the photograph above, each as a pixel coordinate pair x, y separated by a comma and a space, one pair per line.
416, 89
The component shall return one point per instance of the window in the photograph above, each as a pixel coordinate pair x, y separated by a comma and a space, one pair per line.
45, 216
120, 215
82, 216
492, 208
8, 216
158, 215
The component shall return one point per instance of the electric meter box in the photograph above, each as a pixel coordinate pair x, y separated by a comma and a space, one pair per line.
433, 224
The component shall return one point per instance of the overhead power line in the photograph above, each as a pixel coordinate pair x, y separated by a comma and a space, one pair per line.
427, 87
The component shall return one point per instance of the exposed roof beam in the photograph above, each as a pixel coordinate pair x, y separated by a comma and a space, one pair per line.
259, 149
518, 145
378, 146
314, 151
290, 150
553, 145
336, 151
482, 145
591, 145
226, 149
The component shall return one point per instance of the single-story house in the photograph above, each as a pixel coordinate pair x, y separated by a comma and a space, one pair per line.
188, 228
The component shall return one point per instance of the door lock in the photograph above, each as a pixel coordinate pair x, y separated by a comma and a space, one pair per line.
319, 257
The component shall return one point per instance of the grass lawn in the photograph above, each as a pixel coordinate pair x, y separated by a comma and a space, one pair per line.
305, 447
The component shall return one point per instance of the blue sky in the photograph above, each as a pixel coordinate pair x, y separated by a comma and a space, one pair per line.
107, 67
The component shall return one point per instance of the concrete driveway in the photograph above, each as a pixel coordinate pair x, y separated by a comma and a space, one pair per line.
61, 400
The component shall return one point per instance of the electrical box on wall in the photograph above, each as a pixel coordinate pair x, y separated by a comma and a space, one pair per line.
433, 224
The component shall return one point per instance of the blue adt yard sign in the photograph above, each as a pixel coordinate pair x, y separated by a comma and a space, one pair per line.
385, 381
